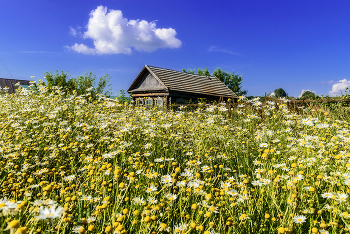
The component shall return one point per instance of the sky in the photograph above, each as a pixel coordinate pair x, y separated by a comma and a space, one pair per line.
294, 45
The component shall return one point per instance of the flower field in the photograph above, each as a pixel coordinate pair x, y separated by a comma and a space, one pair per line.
72, 165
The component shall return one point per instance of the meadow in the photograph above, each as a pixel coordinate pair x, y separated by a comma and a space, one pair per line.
70, 164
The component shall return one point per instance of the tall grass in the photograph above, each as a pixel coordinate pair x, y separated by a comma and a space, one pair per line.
70, 164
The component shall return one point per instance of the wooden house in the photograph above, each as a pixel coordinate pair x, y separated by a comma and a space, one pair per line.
178, 87
10, 84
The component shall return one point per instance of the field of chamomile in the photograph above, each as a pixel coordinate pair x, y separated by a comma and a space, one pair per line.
69, 164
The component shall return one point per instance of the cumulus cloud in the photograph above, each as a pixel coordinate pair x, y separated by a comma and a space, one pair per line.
341, 85
113, 34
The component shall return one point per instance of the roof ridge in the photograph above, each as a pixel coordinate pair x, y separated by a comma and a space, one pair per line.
181, 71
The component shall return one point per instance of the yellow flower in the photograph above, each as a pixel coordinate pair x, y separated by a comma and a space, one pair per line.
122, 185
14, 224
108, 229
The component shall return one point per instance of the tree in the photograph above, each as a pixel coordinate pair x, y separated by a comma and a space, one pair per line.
232, 81
82, 84
280, 93
308, 95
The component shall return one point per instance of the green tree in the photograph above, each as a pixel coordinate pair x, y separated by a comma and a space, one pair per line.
308, 95
280, 93
232, 81
82, 84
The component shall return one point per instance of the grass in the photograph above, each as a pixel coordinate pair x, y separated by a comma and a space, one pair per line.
70, 164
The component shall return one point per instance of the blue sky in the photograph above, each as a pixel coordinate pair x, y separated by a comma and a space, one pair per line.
294, 45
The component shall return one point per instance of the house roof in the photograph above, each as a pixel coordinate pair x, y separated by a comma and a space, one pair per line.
170, 80
10, 83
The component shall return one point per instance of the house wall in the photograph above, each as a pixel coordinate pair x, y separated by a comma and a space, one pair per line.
10, 83
149, 82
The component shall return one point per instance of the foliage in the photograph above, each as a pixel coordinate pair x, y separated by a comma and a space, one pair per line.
82, 84
232, 81
308, 95
280, 93
69, 166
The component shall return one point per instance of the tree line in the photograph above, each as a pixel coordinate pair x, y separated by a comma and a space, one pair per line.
232, 80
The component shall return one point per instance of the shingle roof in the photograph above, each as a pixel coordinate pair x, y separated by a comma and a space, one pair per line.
189, 83
10, 83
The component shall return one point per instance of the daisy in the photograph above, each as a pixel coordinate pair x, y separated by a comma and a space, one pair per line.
299, 219
151, 188
167, 179
213, 209
342, 197
139, 201
50, 213
327, 195
152, 200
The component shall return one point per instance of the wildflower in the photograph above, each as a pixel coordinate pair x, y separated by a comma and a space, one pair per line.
347, 182
298, 177
139, 201
152, 200
157, 160
167, 179
324, 232
327, 195
69, 178
86, 198
171, 197
264, 145
50, 213
14, 224
178, 228
299, 219
91, 219
341, 197
151, 188
181, 184
213, 209
78, 229
225, 185
243, 217
205, 168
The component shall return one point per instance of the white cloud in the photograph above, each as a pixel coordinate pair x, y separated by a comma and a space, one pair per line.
73, 32
113, 34
340, 86
81, 48
216, 49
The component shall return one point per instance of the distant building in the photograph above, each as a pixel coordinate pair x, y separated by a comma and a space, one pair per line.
10, 84
178, 87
